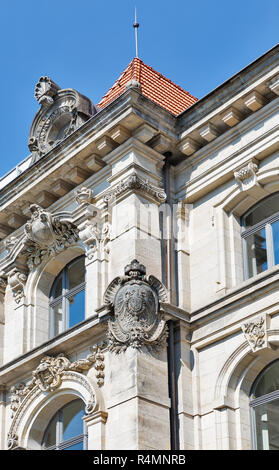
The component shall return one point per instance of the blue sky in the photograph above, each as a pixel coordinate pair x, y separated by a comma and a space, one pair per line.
86, 44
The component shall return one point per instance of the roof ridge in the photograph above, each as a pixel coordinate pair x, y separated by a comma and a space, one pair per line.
154, 85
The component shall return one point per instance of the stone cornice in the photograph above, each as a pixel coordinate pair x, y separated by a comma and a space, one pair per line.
222, 170
263, 68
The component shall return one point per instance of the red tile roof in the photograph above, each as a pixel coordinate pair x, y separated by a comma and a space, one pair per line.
154, 86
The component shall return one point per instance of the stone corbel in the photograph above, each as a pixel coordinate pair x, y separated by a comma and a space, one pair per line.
96, 236
246, 176
255, 332
16, 281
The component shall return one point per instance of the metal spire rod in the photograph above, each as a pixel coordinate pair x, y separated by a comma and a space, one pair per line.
136, 25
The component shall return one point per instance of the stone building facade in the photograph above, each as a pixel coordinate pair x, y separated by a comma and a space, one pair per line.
139, 268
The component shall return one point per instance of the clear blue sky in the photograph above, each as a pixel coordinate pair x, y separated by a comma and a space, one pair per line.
86, 44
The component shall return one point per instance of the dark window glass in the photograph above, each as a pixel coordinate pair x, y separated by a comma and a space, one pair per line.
261, 236
67, 300
268, 381
66, 429
263, 210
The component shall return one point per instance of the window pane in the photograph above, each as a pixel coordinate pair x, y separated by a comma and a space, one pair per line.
57, 287
76, 308
256, 252
267, 425
275, 232
76, 273
72, 419
58, 318
268, 381
265, 209
50, 437
78, 446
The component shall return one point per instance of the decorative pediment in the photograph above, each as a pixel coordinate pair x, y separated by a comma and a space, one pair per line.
61, 113
133, 302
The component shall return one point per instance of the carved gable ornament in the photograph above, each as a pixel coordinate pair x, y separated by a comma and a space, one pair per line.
61, 113
134, 304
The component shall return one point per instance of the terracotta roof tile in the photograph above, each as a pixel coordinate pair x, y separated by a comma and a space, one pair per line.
154, 86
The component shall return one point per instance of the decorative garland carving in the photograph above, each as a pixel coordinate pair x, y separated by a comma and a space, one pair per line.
46, 235
134, 303
134, 182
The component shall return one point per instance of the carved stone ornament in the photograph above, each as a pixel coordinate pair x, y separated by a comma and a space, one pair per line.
246, 176
84, 196
49, 373
96, 237
46, 235
255, 332
17, 280
134, 182
134, 302
47, 377
61, 113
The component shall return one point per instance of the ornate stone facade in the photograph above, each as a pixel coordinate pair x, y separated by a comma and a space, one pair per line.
178, 352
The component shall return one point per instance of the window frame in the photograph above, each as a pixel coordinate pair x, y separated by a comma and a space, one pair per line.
64, 298
254, 402
263, 224
60, 444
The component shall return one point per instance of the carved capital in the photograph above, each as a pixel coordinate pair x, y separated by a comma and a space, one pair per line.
133, 302
135, 183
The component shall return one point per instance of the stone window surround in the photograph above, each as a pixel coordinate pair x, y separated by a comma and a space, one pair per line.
64, 295
265, 223
59, 432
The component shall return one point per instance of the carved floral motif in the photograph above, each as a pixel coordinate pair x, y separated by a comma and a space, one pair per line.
255, 333
133, 302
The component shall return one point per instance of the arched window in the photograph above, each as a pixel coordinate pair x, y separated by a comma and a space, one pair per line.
66, 430
265, 409
261, 236
67, 297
